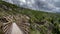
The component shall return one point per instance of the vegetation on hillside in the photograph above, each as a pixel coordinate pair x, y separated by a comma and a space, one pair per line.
40, 22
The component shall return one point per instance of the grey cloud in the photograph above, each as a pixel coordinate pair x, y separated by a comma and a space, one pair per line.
47, 5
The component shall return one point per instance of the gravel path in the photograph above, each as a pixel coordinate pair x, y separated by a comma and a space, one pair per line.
15, 29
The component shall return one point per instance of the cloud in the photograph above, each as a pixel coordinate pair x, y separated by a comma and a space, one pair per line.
23, 1
46, 5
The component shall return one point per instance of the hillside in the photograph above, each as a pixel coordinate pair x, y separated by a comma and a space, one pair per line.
40, 22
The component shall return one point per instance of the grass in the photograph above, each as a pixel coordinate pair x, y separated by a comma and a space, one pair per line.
41, 22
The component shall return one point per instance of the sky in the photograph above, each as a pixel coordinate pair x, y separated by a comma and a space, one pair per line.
44, 5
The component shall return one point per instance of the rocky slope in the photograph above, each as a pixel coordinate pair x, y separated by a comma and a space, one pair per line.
10, 13
30, 21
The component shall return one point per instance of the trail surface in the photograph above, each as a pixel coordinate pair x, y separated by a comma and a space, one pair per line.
15, 29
